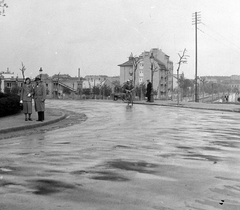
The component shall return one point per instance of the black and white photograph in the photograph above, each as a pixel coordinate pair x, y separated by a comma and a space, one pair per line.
119, 105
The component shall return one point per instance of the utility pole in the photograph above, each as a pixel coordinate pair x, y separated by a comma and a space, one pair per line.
196, 20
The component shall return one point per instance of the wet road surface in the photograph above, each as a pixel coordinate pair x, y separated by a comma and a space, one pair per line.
140, 157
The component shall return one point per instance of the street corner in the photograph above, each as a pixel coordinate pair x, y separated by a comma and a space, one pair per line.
17, 123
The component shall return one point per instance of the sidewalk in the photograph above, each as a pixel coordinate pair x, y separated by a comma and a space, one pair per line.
230, 107
17, 122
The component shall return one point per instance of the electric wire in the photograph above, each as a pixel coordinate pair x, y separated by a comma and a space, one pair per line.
221, 35
218, 40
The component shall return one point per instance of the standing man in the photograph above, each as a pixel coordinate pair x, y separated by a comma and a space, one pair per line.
149, 89
39, 96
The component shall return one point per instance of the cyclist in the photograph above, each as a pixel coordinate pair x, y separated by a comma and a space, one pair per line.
127, 89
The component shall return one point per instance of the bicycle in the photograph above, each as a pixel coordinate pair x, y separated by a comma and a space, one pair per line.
129, 97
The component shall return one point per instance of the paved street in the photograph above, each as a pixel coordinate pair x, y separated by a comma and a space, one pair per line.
132, 158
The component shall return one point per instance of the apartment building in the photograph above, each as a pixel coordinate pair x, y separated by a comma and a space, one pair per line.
139, 70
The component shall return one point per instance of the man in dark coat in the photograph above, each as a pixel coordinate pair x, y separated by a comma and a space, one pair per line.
149, 89
39, 95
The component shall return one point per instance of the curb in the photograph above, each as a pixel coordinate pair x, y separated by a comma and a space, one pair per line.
40, 124
187, 107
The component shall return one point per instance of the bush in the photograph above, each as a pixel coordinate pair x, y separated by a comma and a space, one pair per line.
9, 104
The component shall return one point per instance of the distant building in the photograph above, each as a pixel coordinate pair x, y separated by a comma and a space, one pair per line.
216, 79
59, 83
94, 80
233, 81
97, 80
235, 77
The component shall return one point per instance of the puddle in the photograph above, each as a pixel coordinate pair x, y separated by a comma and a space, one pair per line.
48, 186
122, 146
141, 167
102, 175
202, 157
109, 176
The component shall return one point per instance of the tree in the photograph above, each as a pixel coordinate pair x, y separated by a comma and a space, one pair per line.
106, 90
141, 90
7, 90
235, 90
203, 80
182, 59
23, 69
14, 90
185, 84
95, 90
117, 86
86, 91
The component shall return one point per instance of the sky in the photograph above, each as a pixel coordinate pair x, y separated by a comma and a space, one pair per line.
98, 35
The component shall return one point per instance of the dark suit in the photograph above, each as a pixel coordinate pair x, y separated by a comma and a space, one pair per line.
149, 89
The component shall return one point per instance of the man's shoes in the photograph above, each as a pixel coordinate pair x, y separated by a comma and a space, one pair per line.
26, 119
30, 119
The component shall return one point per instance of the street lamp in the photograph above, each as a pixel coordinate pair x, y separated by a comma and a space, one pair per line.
152, 61
40, 72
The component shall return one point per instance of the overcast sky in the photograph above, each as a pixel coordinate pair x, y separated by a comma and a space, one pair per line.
97, 35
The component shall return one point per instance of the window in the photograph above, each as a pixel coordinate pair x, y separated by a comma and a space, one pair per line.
9, 85
140, 80
141, 65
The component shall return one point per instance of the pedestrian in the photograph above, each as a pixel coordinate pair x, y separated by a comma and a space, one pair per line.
226, 97
149, 90
26, 99
39, 95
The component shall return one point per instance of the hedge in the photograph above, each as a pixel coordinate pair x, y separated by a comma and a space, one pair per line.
9, 104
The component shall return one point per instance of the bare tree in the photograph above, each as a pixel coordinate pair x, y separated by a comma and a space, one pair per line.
203, 80
136, 60
23, 69
182, 59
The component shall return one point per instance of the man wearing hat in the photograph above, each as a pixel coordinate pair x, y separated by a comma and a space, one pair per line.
39, 95
149, 90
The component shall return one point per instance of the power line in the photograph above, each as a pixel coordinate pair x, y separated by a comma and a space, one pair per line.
221, 36
218, 40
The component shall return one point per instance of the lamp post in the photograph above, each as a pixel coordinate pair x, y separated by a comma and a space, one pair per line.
152, 61
40, 72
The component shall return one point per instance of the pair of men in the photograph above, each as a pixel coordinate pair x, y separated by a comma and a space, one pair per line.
38, 92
